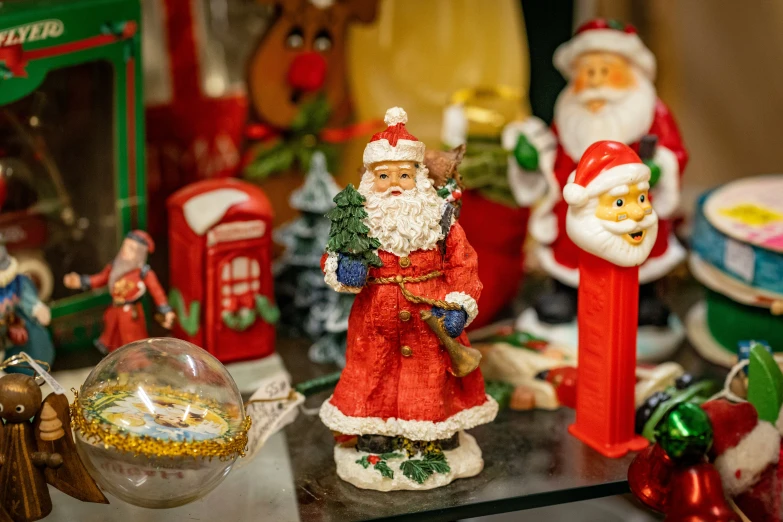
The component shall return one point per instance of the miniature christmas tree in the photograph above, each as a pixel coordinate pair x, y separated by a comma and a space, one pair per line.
349, 235
51, 427
309, 307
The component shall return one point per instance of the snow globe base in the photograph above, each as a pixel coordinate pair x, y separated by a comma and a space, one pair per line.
387, 472
652, 343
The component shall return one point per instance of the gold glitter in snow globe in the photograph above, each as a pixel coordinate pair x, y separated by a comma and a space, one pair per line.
159, 423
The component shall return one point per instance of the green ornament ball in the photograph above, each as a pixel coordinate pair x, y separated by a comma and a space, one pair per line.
685, 434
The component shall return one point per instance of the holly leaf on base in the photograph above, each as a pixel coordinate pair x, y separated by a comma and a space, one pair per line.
437, 462
384, 470
414, 470
364, 462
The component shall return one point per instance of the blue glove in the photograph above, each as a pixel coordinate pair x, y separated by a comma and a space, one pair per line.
454, 320
351, 272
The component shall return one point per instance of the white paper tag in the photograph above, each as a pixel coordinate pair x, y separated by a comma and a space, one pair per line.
272, 407
46, 376
740, 259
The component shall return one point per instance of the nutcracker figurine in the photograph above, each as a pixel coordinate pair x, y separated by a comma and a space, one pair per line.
411, 385
612, 223
128, 278
610, 96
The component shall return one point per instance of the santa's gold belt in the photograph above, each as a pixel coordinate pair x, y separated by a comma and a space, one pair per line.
416, 299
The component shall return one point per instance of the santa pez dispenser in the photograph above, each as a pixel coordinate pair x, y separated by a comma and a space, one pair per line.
611, 220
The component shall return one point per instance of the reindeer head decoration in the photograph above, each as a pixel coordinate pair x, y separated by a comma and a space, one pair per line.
301, 56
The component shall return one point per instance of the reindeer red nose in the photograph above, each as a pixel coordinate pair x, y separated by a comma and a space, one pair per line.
307, 72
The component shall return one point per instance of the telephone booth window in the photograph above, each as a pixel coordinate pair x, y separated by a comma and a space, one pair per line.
241, 277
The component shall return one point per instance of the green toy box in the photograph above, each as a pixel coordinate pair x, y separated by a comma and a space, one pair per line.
71, 147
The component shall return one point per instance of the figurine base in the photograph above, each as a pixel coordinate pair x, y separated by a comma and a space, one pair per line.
465, 461
702, 340
612, 451
652, 343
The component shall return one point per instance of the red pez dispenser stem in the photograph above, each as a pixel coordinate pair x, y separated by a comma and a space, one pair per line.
607, 319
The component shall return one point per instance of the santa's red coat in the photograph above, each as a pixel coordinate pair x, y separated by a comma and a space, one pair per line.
564, 252
381, 391
124, 321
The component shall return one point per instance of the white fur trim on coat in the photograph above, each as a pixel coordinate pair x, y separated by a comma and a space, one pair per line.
528, 187
621, 175
651, 270
607, 40
666, 194
741, 466
330, 276
657, 267
466, 302
337, 421
546, 258
381, 150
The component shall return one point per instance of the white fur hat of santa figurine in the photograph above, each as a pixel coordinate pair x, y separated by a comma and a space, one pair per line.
605, 165
743, 447
395, 143
605, 36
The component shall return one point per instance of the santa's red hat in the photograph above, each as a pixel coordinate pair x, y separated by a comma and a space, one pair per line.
607, 36
142, 237
604, 165
743, 447
395, 143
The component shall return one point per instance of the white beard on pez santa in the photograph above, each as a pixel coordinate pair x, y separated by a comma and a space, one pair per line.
609, 239
403, 220
626, 115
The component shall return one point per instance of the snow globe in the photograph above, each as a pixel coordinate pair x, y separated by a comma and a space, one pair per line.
159, 423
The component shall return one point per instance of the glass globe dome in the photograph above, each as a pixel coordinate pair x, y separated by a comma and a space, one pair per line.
159, 423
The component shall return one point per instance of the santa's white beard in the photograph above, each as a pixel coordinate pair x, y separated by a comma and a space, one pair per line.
625, 117
407, 222
604, 238
121, 266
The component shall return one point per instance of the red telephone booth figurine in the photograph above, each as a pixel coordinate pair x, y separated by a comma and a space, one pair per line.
220, 268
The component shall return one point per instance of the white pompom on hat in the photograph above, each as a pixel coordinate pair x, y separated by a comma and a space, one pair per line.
395, 143
604, 166
607, 36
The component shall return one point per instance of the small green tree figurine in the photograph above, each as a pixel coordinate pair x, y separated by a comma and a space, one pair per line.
348, 234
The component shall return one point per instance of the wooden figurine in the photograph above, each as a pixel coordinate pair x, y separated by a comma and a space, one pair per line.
298, 93
38, 452
611, 221
410, 386
128, 278
610, 96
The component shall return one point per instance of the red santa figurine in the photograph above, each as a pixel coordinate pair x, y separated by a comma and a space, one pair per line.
610, 96
128, 278
403, 401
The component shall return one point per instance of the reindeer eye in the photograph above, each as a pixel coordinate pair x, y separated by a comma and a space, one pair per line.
642, 198
619, 203
295, 39
19, 408
323, 41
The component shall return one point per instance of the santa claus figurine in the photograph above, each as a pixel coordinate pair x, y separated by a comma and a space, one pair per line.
128, 278
610, 96
411, 384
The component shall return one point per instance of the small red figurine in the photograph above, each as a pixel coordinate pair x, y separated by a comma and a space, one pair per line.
128, 278
611, 220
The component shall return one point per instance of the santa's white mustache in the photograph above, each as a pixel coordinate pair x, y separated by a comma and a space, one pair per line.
601, 93
395, 192
629, 226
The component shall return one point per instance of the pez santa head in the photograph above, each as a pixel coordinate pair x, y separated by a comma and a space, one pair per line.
609, 210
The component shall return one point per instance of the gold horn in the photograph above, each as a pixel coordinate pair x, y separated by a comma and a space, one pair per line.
464, 359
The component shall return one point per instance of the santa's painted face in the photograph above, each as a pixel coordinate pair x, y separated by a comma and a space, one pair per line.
619, 225
607, 98
398, 175
593, 72
130, 249
402, 219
